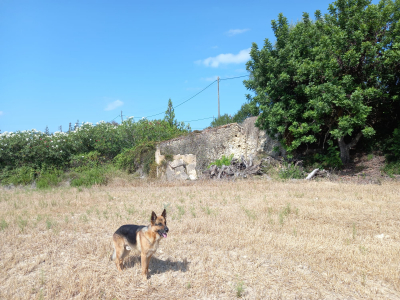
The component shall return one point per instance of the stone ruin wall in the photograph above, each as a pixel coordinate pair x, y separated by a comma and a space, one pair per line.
210, 144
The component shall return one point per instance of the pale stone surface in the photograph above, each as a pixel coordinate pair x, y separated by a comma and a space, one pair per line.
210, 144
183, 167
191, 171
159, 157
189, 159
176, 163
170, 174
180, 173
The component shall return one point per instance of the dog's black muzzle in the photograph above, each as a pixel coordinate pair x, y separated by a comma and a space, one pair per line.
164, 232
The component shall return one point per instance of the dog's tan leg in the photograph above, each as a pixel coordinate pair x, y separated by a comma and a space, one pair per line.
145, 266
125, 254
119, 246
148, 264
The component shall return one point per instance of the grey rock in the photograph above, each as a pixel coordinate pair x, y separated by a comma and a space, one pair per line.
180, 173
170, 174
177, 163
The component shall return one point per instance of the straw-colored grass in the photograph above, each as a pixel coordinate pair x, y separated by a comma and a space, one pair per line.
249, 239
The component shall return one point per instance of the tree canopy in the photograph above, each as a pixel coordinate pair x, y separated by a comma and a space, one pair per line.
170, 114
247, 110
333, 79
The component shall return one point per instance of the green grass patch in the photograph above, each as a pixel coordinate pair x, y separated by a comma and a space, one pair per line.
251, 214
239, 289
3, 224
21, 223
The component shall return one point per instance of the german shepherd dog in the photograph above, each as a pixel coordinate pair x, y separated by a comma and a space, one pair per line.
142, 238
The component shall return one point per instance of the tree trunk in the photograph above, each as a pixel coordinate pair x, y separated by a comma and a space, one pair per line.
345, 148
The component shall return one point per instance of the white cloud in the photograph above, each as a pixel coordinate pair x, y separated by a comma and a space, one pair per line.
229, 58
114, 105
1, 113
233, 32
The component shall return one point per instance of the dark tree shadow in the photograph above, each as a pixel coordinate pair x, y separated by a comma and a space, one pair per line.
158, 266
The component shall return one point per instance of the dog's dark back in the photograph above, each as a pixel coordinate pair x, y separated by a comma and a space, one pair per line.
129, 232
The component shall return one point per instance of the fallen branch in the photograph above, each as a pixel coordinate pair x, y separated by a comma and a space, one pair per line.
312, 174
319, 173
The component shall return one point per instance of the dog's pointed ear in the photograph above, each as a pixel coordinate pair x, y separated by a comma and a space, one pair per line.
153, 217
164, 214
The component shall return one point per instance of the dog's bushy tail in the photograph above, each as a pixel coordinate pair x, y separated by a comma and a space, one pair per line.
113, 256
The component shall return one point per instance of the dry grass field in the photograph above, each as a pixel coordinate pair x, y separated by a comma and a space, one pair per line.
251, 239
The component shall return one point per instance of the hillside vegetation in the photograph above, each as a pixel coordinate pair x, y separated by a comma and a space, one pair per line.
86, 151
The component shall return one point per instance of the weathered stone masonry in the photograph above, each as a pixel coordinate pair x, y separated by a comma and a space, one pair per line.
210, 144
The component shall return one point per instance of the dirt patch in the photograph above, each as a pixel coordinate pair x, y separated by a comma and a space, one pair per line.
365, 169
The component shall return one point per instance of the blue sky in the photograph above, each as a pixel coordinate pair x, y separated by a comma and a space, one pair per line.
63, 61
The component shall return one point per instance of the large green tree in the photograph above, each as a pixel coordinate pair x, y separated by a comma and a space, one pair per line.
334, 79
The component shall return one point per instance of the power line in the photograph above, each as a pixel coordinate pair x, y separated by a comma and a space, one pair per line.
190, 120
197, 93
115, 118
233, 77
185, 100
229, 78
199, 119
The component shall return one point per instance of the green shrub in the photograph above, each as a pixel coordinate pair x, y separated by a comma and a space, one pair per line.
223, 161
392, 168
394, 146
22, 175
290, 171
89, 177
330, 159
48, 178
132, 159
86, 160
222, 120
5, 173
60, 149
45, 177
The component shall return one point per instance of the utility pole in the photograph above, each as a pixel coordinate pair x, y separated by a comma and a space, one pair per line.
121, 117
218, 98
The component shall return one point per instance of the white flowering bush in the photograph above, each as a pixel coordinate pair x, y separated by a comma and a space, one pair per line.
37, 150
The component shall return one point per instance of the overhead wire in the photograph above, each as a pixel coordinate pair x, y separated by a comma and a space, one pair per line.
199, 119
185, 100
221, 79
